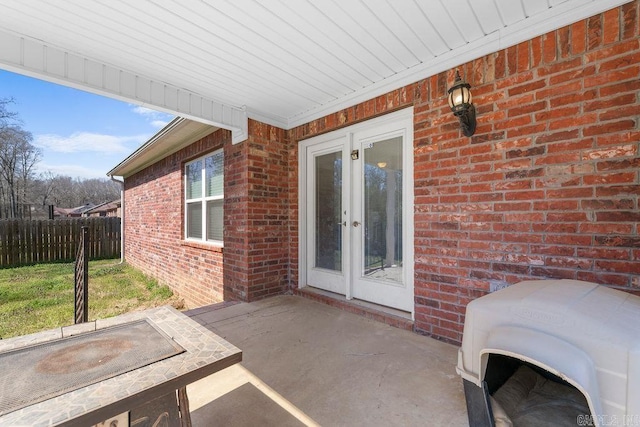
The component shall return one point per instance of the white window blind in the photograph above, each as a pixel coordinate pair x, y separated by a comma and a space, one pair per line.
204, 204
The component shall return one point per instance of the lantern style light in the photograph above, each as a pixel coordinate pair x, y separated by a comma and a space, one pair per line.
460, 103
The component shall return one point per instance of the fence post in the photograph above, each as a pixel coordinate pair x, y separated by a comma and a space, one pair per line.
81, 282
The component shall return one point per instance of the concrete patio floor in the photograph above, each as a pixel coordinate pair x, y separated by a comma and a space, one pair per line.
307, 363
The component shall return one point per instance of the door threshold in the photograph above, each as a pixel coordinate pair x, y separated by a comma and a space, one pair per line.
387, 315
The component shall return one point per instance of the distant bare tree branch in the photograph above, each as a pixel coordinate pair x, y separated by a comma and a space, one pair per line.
7, 117
20, 188
17, 158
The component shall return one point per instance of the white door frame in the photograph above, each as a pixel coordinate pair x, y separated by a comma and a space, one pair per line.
408, 187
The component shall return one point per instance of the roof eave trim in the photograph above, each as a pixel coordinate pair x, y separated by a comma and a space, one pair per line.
144, 156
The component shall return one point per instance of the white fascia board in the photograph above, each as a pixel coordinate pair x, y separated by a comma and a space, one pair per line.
267, 118
556, 17
36, 59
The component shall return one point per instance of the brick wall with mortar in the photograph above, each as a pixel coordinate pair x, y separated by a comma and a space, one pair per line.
548, 186
254, 261
154, 236
268, 216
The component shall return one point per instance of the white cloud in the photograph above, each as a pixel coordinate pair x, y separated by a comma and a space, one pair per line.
71, 170
155, 118
159, 123
89, 142
144, 111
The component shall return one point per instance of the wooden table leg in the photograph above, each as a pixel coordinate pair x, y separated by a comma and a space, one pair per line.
183, 405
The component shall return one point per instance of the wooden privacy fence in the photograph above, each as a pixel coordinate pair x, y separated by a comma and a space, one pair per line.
24, 242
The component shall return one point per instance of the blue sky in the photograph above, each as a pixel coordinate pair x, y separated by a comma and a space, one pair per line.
80, 134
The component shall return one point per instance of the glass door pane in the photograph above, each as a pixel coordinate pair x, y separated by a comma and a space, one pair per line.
328, 208
382, 213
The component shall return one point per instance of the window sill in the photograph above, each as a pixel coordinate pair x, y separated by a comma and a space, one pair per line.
201, 245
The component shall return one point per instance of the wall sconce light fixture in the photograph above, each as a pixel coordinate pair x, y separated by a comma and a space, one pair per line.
460, 103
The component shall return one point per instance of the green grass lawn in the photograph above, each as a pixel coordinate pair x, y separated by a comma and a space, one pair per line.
40, 297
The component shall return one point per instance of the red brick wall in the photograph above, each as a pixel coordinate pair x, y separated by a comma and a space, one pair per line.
257, 222
235, 223
254, 262
547, 187
154, 235
269, 210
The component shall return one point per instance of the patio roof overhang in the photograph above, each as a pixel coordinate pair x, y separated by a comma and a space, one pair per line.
284, 63
177, 134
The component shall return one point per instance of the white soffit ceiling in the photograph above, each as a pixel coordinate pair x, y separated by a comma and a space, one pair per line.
283, 62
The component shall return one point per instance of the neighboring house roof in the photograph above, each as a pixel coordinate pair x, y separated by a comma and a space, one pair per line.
178, 134
282, 63
104, 207
79, 210
82, 209
61, 211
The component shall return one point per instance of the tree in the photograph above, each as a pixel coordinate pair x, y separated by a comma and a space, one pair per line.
7, 117
28, 157
18, 156
64, 191
19, 187
43, 187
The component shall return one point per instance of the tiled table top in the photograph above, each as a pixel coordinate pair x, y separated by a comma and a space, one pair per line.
205, 353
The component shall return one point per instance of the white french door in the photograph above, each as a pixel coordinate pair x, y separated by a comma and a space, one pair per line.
356, 205
327, 174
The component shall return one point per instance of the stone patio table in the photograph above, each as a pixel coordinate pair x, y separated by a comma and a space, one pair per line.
194, 352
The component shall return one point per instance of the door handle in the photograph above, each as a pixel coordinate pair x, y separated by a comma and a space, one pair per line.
355, 223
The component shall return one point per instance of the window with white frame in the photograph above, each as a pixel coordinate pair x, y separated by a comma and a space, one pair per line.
204, 198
